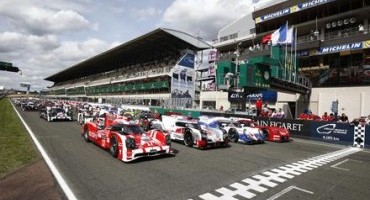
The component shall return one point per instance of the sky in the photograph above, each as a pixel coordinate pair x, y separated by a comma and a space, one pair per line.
44, 37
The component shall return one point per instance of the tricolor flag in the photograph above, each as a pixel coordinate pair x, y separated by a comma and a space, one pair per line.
282, 36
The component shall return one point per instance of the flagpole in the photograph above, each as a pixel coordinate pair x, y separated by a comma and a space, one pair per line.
295, 54
286, 53
291, 60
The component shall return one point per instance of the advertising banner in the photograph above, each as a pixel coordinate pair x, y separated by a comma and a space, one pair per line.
295, 8
341, 47
182, 82
266, 96
340, 133
295, 127
236, 97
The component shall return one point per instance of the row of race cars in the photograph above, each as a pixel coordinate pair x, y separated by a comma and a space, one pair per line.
127, 139
132, 134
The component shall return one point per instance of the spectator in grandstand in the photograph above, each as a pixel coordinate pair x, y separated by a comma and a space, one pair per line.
367, 120
343, 118
274, 114
221, 108
326, 117
259, 106
281, 113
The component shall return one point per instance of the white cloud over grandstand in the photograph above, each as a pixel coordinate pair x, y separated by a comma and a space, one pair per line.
204, 18
145, 13
40, 20
43, 37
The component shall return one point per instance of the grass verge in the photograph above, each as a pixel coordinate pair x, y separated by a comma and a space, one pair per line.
16, 148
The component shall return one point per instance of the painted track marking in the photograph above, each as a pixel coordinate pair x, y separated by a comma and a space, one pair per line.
62, 183
343, 161
259, 183
286, 190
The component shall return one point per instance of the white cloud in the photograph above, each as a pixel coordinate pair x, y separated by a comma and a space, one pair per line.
41, 56
145, 13
40, 20
205, 17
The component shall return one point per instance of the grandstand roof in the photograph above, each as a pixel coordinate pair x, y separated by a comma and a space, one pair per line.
145, 48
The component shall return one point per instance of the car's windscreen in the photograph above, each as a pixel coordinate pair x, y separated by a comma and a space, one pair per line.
58, 110
129, 129
157, 126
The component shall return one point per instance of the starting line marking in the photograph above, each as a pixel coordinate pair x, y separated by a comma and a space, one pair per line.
286, 190
259, 183
62, 183
343, 161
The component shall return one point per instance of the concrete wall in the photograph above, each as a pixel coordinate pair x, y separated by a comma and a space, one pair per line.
353, 101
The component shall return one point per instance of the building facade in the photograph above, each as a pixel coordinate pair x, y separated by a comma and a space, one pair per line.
332, 51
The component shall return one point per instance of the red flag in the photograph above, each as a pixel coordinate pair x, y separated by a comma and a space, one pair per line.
266, 38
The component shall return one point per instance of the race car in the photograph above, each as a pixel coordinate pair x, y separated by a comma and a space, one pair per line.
125, 140
55, 114
275, 133
191, 133
84, 116
244, 131
29, 106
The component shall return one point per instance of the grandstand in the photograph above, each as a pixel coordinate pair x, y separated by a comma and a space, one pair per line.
146, 70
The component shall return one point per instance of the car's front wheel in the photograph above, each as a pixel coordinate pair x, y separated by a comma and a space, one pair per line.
188, 139
113, 150
86, 135
234, 135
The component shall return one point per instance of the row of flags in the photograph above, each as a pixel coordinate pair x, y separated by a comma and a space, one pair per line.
282, 36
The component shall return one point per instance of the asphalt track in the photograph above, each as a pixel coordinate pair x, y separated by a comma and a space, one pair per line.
93, 174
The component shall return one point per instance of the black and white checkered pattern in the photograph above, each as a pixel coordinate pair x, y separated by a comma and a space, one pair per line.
359, 133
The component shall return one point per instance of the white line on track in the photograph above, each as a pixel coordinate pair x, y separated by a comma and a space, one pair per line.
62, 183
259, 183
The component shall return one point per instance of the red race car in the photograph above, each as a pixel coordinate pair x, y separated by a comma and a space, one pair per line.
126, 140
276, 133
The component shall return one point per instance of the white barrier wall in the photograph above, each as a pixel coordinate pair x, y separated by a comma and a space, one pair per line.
353, 101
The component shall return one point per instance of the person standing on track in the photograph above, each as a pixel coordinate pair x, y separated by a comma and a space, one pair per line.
259, 106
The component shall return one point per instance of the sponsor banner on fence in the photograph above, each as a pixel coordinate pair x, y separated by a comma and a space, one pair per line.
295, 127
340, 133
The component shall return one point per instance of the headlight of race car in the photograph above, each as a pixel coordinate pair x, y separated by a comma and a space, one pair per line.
130, 143
168, 139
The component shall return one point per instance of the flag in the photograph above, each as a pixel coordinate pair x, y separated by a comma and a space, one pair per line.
282, 36
266, 38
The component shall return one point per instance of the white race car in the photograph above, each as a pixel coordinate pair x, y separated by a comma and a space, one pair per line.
244, 131
191, 132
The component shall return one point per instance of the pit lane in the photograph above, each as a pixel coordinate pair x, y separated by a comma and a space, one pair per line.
93, 174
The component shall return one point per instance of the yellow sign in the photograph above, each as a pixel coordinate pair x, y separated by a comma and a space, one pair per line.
366, 44
294, 9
